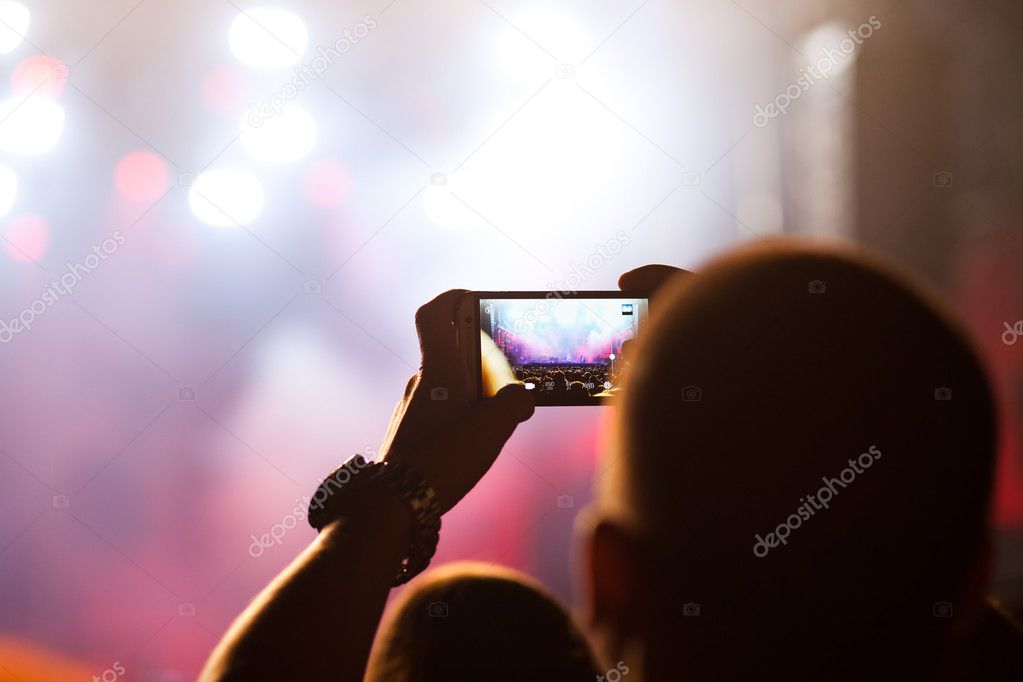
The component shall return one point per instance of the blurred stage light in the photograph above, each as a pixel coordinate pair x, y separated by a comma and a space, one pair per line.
222, 89
8, 190
40, 75
14, 19
26, 237
829, 48
268, 37
281, 137
30, 126
327, 183
142, 176
226, 197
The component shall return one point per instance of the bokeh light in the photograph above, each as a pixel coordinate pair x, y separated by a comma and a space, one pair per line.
14, 20
26, 237
327, 183
41, 75
8, 190
30, 126
226, 197
282, 137
222, 89
142, 176
268, 37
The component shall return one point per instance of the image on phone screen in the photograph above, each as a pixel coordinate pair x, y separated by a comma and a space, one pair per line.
569, 351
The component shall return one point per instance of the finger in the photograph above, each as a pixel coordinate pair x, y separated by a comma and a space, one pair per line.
648, 278
399, 412
435, 324
497, 417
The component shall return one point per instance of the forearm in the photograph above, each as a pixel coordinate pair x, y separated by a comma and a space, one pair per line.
317, 619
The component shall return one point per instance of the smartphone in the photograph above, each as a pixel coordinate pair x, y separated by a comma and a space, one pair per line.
569, 348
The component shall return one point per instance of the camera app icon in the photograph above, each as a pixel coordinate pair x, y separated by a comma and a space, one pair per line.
566, 501
691, 609
943, 393
692, 394
942, 179
565, 71
942, 609
438, 393
817, 286
692, 179
313, 286
186, 394
186, 609
61, 502
438, 609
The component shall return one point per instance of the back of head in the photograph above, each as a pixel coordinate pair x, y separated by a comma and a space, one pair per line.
807, 445
469, 621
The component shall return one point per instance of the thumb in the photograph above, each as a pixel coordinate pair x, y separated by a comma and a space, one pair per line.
498, 416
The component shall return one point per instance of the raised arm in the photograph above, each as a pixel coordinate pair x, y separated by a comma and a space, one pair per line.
318, 617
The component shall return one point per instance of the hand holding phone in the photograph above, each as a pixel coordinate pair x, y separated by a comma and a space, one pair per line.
436, 428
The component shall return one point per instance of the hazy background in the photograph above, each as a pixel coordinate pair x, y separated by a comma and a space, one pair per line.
202, 378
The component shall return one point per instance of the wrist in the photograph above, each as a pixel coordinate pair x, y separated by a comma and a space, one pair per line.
363, 490
379, 511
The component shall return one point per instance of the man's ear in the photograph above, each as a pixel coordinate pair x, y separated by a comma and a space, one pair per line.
615, 585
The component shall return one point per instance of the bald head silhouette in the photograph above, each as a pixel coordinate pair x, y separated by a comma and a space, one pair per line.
805, 449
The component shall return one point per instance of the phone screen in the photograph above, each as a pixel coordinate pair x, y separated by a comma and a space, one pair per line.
569, 350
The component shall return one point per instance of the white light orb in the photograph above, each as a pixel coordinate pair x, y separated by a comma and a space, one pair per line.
282, 137
268, 37
14, 19
226, 197
30, 126
8, 190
